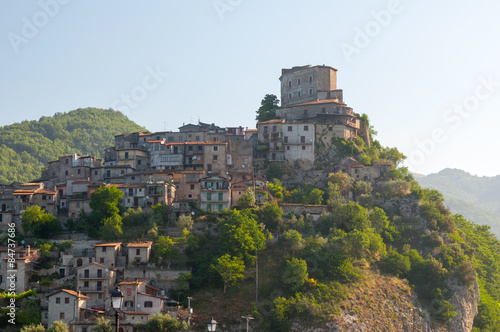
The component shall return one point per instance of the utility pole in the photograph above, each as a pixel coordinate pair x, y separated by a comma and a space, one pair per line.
247, 317
189, 312
256, 278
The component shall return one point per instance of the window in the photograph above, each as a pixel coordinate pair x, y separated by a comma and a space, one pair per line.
61, 315
1, 217
66, 300
192, 187
44, 197
126, 155
138, 162
148, 304
209, 207
310, 79
298, 81
323, 110
216, 148
289, 83
99, 273
66, 173
306, 128
96, 172
209, 196
190, 148
330, 128
289, 96
285, 139
215, 158
86, 284
101, 260
302, 139
180, 138
67, 161
265, 130
305, 112
310, 92
220, 208
79, 171
289, 128
197, 138
190, 196
123, 171
58, 300
137, 251
221, 196
84, 329
288, 147
303, 147
298, 94
274, 129
129, 304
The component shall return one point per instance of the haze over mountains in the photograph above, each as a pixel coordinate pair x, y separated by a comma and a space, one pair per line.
477, 198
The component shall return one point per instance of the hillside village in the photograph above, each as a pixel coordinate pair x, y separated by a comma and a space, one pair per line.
200, 166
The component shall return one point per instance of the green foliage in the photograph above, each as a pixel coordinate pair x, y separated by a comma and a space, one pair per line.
343, 180
163, 322
111, 228
315, 196
40, 224
164, 249
276, 188
438, 216
185, 222
58, 326
25, 146
240, 235
230, 269
33, 328
293, 240
105, 205
267, 109
102, 325
362, 188
396, 188
270, 215
247, 199
396, 264
295, 273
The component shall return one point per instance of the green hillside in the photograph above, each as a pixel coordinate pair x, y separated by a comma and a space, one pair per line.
477, 198
26, 146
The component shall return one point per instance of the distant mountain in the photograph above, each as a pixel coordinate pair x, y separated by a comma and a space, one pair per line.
476, 198
26, 146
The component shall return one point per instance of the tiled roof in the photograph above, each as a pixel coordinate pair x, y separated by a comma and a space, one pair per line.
111, 244
132, 282
70, 292
135, 313
197, 143
272, 121
102, 265
144, 244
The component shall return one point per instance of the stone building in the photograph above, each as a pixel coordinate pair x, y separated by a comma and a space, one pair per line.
96, 281
65, 305
25, 262
138, 252
107, 253
215, 193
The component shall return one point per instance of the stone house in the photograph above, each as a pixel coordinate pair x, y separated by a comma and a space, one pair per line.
107, 253
96, 281
65, 305
215, 193
25, 264
239, 188
70, 167
187, 190
270, 140
6, 206
31, 194
138, 252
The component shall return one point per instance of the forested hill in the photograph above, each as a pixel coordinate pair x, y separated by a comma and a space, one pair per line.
477, 198
26, 146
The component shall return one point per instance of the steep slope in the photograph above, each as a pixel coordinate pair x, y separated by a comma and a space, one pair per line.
26, 146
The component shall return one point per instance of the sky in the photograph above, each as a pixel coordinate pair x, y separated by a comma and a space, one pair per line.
426, 73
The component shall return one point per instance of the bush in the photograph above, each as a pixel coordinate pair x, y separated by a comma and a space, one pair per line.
295, 273
395, 264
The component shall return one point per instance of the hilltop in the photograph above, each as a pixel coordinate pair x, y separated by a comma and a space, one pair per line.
476, 198
26, 146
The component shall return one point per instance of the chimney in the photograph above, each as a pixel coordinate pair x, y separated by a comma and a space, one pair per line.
28, 250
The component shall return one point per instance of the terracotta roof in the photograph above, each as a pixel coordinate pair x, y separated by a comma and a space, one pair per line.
155, 141
144, 244
251, 130
382, 163
30, 184
102, 265
158, 297
153, 288
272, 121
135, 313
197, 143
111, 244
357, 165
129, 185
70, 292
132, 282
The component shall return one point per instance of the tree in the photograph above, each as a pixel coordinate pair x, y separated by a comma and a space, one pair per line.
343, 180
185, 222
270, 215
164, 249
111, 228
58, 326
247, 199
395, 264
40, 224
230, 268
276, 188
267, 109
102, 325
163, 323
240, 235
33, 328
295, 273
105, 205
294, 240
315, 196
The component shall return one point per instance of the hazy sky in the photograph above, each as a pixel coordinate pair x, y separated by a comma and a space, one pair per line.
425, 72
